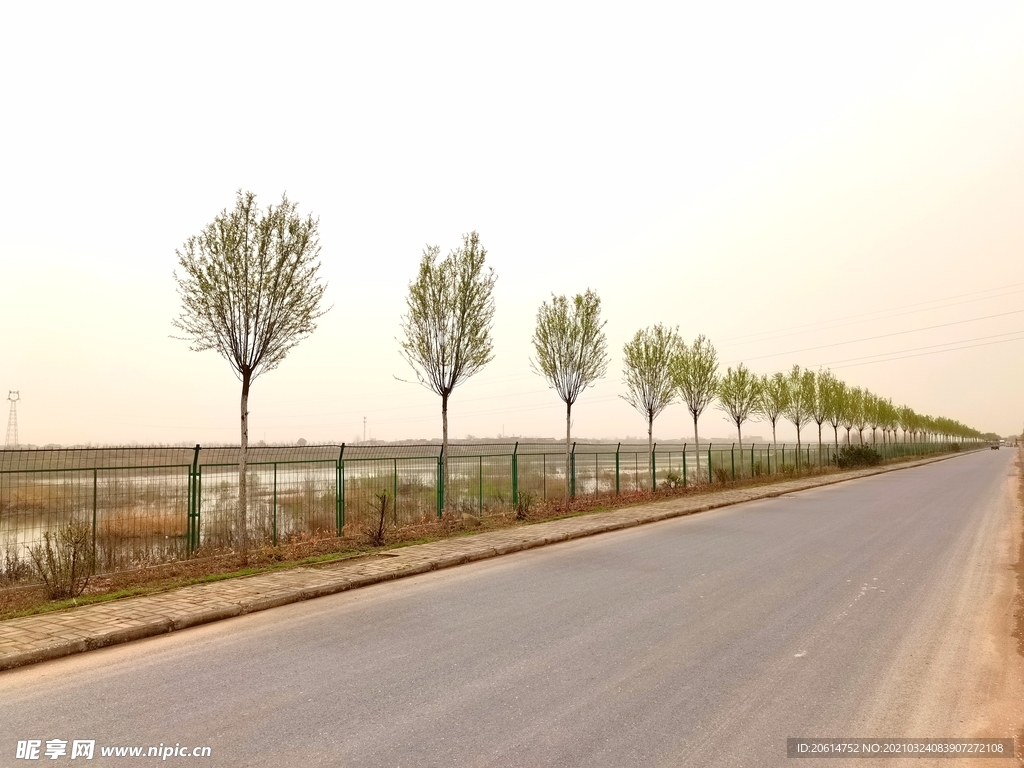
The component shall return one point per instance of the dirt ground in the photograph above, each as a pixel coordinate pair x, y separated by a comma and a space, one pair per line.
1002, 682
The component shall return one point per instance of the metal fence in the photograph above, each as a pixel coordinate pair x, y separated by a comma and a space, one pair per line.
151, 505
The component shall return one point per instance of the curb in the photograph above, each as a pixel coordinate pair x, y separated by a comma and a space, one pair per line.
61, 646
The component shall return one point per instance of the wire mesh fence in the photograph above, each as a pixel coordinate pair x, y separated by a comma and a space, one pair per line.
145, 506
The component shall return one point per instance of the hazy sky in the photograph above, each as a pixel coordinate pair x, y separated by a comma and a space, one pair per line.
826, 184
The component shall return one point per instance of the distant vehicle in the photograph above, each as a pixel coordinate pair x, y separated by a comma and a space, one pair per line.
995, 446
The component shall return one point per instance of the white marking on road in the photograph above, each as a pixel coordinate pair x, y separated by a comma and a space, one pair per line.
799, 655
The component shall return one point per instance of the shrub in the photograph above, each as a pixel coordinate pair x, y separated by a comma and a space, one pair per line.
64, 560
377, 532
858, 456
722, 475
524, 505
14, 569
673, 480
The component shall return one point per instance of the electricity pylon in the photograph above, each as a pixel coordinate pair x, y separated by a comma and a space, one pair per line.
12, 420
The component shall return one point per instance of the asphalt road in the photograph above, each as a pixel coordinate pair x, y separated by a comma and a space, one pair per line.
851, 610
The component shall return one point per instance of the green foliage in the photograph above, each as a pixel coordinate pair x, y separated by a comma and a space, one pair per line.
570, 345
450, 311
852, 456
647, 370
696, 375
802, 393
570, 351
774, 398
739, 393
249, 286
64, 560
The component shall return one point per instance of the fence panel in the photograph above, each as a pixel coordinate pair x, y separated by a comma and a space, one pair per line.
150, 505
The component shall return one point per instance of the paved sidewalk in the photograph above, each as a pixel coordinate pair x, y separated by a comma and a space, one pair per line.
32, 639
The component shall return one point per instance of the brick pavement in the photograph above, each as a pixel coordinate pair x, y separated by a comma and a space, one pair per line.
32, 639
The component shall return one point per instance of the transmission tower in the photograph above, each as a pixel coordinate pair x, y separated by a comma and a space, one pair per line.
12, 420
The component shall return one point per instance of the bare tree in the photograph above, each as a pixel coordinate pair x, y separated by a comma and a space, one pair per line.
801, 401
739, 393
447, 328
647, 373
696, 375
250, 290
571, 352
774, 399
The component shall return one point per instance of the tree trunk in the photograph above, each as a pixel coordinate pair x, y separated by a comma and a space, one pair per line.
243, 461
650, 448
798, 446
696, 441
444, 450
774, 440
568, 459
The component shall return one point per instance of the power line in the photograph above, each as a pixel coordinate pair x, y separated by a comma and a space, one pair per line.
936, 352
890, 309
928, 346
883, 336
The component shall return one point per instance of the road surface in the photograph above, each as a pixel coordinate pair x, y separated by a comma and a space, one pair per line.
869, 608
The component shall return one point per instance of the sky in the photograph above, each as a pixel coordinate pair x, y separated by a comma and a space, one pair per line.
828, 185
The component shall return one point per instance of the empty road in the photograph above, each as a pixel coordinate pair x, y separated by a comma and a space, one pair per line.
869, 608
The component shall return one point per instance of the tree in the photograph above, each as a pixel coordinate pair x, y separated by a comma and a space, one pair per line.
647, 372
852, 407
838, 395
250, 290
774, 399
824, 386
739, 393
571, 352
696, 375
801, 400
447, 327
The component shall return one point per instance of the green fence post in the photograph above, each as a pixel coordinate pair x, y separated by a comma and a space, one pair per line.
751, 459
394, 491
654, 468
94, 483
480, 485
617, 447
193, 503
440, 488
544, 475
274, 518
339, 494
732, 458
684, 465
572, 471
515, 474
710, 478
597, 473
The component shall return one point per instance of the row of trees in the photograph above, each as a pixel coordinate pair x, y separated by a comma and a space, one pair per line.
447, 338
250, 289
659, 368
